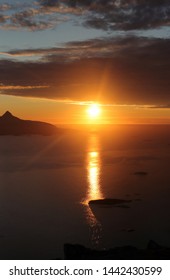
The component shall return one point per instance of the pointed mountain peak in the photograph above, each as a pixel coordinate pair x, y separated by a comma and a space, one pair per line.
7, 116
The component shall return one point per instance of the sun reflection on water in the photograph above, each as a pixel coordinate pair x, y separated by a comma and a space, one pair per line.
93, 170
94, 188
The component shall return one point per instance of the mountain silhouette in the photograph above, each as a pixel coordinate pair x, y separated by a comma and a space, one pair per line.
8, 116
11, 125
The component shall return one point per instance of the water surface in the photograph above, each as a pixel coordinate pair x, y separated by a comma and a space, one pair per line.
46, 183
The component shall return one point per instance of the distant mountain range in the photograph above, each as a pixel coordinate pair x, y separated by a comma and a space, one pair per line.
11, 125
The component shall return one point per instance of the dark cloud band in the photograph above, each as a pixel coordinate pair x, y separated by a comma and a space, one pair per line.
118, 70
120, 15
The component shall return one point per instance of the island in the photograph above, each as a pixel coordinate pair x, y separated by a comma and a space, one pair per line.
11, 125
108, 201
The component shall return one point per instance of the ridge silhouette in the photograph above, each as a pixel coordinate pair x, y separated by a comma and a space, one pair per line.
11, 125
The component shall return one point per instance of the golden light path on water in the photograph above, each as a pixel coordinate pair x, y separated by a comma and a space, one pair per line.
94, 187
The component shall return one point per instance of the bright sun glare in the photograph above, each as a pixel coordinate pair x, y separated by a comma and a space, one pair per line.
94, 110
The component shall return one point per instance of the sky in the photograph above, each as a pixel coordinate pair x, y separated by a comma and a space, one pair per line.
58, 57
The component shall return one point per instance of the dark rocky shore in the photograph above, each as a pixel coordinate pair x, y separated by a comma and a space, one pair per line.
153, 251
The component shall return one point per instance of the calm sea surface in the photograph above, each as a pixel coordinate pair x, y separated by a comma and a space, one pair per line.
47, 182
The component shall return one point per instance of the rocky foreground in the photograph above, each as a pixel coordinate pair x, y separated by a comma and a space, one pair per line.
153, 251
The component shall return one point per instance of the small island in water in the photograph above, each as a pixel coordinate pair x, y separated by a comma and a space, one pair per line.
11, 125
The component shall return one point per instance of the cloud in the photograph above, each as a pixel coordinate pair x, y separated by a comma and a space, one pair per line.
11, 87
5, 7
130, 15
119, 14
31, 20
29, 16
34, 52
160, 107
105, 15
2, 19
126, 70
93, 48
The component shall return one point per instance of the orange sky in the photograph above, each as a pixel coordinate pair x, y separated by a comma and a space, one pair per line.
76, 112
58, 56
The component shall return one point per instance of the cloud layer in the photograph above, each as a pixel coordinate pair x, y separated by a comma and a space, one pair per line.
99, 14
122, 70
126, 70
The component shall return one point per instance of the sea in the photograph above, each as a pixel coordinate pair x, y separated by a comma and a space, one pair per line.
46, 183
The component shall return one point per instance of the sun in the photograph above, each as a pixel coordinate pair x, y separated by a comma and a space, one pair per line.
94, 110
